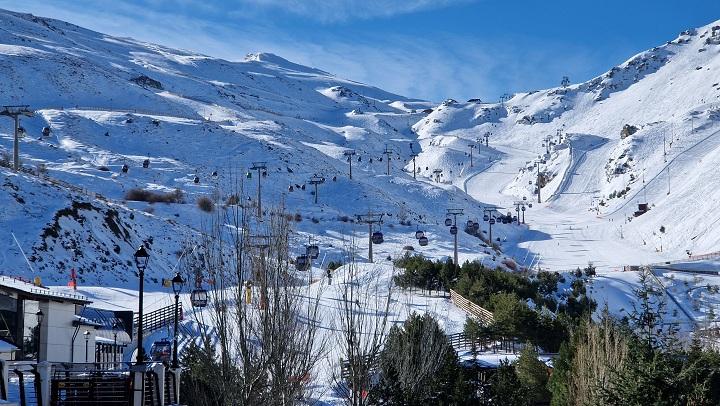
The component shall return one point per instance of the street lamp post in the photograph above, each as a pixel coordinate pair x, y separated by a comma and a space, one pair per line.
177, 285
40, 316
87, 341
114, 352
141, 260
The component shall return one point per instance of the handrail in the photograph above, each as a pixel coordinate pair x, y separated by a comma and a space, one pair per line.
471, 308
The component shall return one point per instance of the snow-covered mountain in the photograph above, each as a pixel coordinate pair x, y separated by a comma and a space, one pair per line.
201, 122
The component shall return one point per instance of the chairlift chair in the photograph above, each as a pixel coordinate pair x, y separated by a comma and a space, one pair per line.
125, 168
301, 262
196, 180
199, 297
469, 225
248, 175
146, 163
491, 221
313, 251
476, 226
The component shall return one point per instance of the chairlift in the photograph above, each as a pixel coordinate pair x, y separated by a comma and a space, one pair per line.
301, 262
514, 218
161, 350
476, 226
530, 205
125, 168
423, 241
313, 251
199, 297
248, 175
377, 237
290, 188
453, 230
419, 234
523, 208
146, 163
448, 222
264, 174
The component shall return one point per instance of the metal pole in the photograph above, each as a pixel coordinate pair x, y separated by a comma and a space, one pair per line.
259, 213
456, 234
388, 165
87, 341
115, 349
16, 145
414, 170
350, 160
370, 253
316, 192
538, 181
140, 350
175, 363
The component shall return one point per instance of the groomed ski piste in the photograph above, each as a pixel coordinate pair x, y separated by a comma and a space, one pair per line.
645, 132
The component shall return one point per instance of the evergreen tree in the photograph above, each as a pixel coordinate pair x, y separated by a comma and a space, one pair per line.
533, 374
506, 388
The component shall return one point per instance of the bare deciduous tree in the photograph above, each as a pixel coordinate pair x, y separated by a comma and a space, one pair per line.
259, 323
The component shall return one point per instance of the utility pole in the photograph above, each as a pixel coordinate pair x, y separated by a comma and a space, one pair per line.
316, 180
413, 156
490, 211
455, 213
387, 154
537, 181
259, 166
370, 218
472, 147
547, 140
520, 206
350, 154
487, 137
15, 112
261, 243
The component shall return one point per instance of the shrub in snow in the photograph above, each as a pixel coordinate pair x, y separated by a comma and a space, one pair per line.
205, 204
142, 195
628, 130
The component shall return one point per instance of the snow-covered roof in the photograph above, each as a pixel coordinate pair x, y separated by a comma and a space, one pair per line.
38, 292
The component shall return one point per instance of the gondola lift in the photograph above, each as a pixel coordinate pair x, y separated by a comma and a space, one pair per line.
448, 222
423, 241
419, 234
453, 230
377, 238
313, 251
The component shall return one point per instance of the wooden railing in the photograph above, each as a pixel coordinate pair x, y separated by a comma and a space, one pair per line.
160, 318
485, 316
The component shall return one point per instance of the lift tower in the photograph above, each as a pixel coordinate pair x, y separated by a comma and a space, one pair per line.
316, 180
455, 212
350, 154
15, 112
370, 218
259, 166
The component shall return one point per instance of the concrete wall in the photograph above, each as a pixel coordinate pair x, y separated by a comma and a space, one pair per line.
57, 331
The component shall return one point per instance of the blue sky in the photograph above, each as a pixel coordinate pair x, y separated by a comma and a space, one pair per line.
430, 49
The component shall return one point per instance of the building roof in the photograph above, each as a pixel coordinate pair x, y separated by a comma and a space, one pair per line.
31, 291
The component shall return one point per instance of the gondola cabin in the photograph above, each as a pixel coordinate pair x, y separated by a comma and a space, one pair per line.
453, 230
161, 350
419, 234
423, 241
377, 237
448, 222
313, 251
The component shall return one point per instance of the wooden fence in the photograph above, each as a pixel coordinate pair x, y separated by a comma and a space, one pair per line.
485, 316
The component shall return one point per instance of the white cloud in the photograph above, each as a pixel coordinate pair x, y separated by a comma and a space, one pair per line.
433, 69
342, 10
